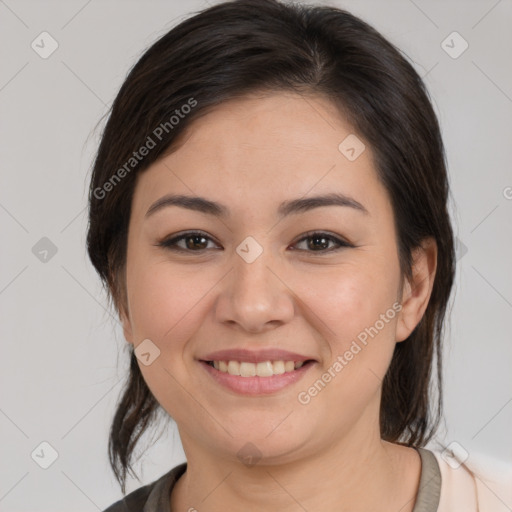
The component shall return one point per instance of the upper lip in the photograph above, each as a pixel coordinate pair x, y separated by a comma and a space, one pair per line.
254, 356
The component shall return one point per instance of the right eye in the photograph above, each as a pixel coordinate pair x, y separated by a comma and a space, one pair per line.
194, 241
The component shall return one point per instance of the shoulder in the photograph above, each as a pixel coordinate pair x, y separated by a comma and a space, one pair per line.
474, 482
147, 498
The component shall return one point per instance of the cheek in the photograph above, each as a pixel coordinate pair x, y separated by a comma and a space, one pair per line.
164, 301
352, 299
356, 305
166, 306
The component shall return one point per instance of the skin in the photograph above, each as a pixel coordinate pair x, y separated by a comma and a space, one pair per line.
251, 154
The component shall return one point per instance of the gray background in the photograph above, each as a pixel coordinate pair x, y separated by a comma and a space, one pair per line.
63, 355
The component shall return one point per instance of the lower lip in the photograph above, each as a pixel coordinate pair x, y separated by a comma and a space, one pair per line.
257, 385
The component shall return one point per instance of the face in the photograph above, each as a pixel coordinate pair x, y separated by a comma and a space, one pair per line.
264, 273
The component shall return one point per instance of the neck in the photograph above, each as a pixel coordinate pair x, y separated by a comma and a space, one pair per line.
361, 472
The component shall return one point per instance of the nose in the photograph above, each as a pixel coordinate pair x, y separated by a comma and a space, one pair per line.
255, 297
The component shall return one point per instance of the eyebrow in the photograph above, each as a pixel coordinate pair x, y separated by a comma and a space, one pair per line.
295, 206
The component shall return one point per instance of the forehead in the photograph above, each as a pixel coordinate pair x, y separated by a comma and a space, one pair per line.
264, 148
268, 123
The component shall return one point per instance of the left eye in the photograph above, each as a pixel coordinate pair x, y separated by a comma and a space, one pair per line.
321, 241
195, 241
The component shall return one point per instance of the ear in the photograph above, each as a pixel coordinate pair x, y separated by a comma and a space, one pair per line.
416, 291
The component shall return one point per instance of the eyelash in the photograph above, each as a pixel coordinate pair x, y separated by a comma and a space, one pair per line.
171, 243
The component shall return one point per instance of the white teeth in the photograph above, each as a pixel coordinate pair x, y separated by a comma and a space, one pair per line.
234, 368
261, 369
264, 369
278, 367
289, 366
247, 369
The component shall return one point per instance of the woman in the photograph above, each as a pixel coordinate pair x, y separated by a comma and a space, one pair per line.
268, 211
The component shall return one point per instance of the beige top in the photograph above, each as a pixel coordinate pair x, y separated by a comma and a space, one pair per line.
155, 497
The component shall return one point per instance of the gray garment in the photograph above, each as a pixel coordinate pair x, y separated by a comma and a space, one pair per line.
155, 497
429, 491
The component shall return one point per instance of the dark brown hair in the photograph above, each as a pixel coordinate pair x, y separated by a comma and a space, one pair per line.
239, 47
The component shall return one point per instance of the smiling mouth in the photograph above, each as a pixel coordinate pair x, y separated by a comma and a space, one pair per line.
261, 369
